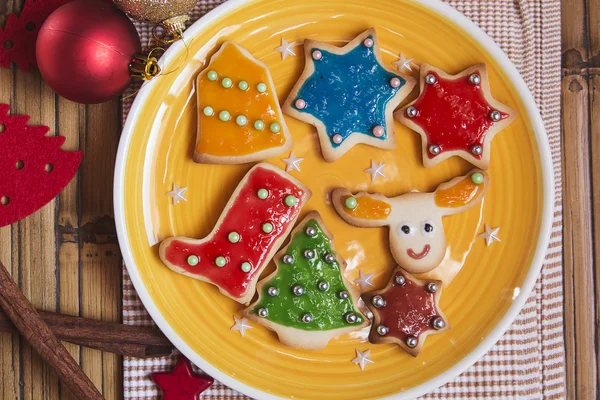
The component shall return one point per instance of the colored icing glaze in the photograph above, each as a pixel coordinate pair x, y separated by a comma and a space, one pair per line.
458, 195
246, 216
348, 93
454, 114
369, 208
409, 309
232, 139
285, 308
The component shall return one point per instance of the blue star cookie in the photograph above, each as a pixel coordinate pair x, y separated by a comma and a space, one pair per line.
348, 95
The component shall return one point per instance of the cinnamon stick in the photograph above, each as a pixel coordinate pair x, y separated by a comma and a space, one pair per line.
125, 340
41, 338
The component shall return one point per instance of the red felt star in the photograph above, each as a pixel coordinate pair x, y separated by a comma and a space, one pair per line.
406, 311
182, 383
456, 115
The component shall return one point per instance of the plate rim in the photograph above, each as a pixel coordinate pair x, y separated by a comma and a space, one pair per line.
501, 327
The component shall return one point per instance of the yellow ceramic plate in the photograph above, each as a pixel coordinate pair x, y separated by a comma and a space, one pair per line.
485, 286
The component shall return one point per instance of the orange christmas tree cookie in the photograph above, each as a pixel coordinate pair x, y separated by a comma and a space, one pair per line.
240, 119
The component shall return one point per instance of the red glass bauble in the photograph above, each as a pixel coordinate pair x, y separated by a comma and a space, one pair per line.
84, 49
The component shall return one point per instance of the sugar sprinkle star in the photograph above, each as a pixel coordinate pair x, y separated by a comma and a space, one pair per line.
375, 170
292, 162
182, 383
490, 235
362, 358
364, 281
286, 49
177, 194
404, 63
241, 325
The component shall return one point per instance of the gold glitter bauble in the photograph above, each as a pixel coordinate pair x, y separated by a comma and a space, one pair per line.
157, 11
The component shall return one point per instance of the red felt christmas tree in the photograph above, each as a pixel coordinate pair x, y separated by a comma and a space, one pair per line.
34, 167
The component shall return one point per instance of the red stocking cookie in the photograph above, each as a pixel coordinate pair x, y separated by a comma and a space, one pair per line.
456, 115
417, 238
406, 311
256, 220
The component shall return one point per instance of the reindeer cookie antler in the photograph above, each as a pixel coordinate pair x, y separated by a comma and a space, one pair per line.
417, 238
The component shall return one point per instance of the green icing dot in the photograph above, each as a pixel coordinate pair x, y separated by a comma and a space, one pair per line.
227, 83
208, 111
193, 260
233, 237
259, 125
243, 85
261, 87
224, 116
351, 203
327, 309
267, 227
220, 261
262, 194
275, 127
246, 267
291, 200
212, 75
477, 178
241, 120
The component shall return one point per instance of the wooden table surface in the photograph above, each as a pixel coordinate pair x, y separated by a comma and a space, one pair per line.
65, 257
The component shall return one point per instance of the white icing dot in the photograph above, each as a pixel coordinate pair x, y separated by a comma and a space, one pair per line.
368, 42
300, 104
317, 55
337, 138
395, 82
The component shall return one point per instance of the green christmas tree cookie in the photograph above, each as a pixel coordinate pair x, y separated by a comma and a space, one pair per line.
307, 301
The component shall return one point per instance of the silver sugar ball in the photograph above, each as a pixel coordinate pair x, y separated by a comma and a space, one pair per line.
263, 312
273, 291
434, 149
378, 301
298, 290
495, 115
330, 258
432, 287
475, 79
309, 253
438, 323
311, 231
400, 280
323, 286
430, 79
351, 318
412, 342
287, 259
382, 330
477, 149
411, 112
306, 318
343, 295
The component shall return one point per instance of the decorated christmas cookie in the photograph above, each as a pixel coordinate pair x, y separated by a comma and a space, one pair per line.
348, 95
255, 222
406, 311
306, 300
456, 115
417, 238
239, 118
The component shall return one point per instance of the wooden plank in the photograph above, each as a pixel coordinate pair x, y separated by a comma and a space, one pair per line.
580, 326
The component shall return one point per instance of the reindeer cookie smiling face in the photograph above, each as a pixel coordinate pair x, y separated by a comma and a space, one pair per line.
417, 238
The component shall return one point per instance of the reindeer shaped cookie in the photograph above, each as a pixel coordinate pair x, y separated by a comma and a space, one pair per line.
417, 238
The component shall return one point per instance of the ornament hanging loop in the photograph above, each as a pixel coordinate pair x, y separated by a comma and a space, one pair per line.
144, 66
172, 29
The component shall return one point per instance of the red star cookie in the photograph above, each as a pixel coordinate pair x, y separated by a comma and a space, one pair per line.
456, 115
406, 311
182, 383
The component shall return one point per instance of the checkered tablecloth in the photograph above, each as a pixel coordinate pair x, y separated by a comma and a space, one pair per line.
528, 362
